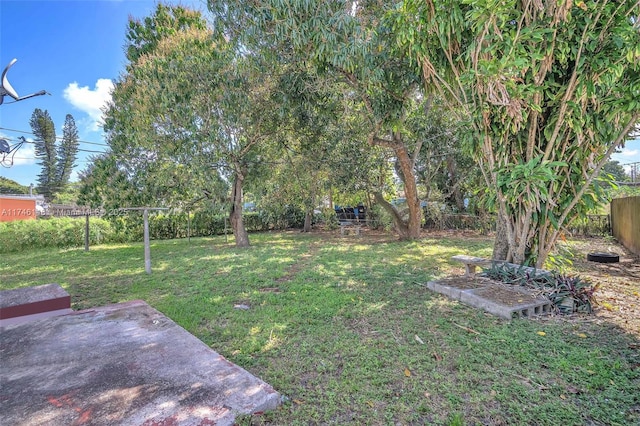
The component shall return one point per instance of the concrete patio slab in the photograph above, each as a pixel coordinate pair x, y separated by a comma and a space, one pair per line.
123, 364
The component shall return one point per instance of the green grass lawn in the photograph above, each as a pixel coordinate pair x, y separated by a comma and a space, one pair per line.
347, 331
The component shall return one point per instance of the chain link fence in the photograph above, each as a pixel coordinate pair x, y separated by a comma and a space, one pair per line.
594, 225
460, 221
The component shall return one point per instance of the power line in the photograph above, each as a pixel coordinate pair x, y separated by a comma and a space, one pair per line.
79, 149
35, 159
57, 137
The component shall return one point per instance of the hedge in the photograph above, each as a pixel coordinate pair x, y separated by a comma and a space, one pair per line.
69, 232
58, 232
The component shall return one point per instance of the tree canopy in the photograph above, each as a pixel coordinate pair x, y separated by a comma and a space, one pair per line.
549, 89
294, 98
8, 186
189, 119
353, 42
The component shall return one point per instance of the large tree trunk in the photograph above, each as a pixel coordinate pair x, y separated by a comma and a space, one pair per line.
501, 242
411, 229
399, 224
239, 231
513, 236
308, 217
410, 189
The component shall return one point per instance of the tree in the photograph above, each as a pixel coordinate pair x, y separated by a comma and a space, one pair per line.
143, 37
318, 147
615, 171
161, 169
57, 162
348, 40
103, 184
549, 90
445, 169
67, 152
45, 148
298, 174
616, 182
70, 194
8, 186
191, 113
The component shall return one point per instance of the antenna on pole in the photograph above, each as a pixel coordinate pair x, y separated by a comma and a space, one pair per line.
7, 152
7, 90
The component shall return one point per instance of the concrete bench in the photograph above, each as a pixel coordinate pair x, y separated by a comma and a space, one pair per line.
470, 263
29, 303
346, 224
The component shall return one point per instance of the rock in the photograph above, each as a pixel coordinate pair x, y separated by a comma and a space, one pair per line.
242, 306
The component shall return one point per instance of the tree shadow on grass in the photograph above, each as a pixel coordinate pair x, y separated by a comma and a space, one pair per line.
339, 337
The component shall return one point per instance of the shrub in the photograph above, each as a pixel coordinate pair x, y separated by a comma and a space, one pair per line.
205, 223
254, 221
127, 227
378, 218
329, 218
55, 232
281, 216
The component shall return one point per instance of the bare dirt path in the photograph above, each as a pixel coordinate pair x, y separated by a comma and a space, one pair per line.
619, 283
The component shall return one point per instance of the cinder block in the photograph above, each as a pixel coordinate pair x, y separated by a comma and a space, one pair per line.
452, 292
486, 297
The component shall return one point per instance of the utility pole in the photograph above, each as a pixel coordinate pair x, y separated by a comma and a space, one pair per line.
634, 171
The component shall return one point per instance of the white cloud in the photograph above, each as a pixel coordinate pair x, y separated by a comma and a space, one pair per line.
25, 155
90, 101
75, 175
629, 152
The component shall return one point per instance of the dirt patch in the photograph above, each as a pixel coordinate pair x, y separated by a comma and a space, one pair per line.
504, 295
618, 292
495, 291
367, 236
465, 283
303, 262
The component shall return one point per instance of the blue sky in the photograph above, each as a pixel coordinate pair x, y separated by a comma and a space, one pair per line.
73, 49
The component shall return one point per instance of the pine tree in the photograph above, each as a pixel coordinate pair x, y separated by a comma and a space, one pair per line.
45, 148
67, 152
